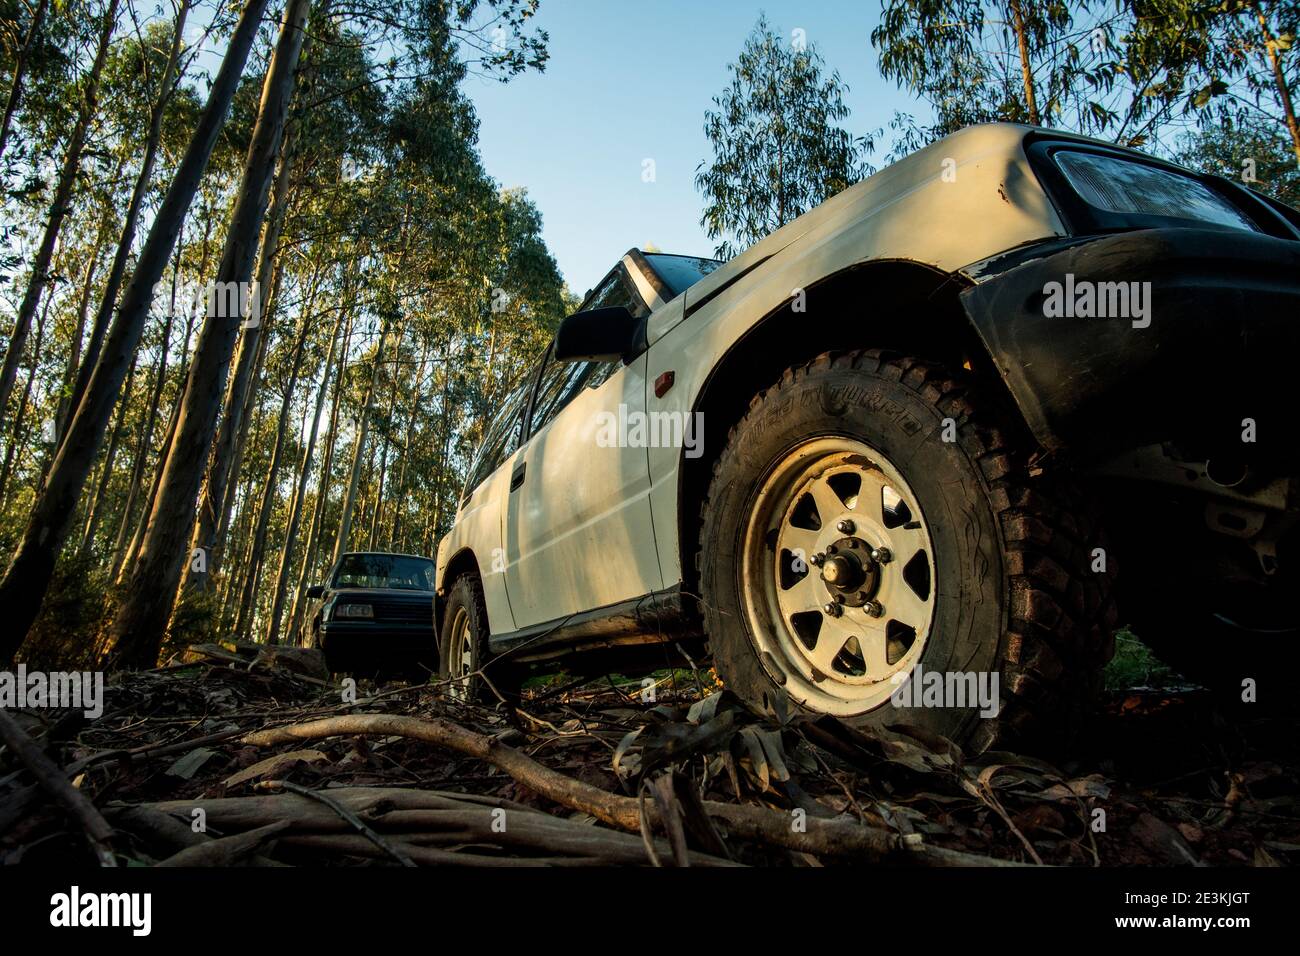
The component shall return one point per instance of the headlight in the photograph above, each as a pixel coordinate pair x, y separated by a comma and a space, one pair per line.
353, 612
1117, 185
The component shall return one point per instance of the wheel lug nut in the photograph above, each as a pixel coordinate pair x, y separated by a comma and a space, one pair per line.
881, 555
832, 610
817, 560
873, 608
844, 526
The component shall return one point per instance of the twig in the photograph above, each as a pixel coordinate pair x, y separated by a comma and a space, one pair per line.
362, 827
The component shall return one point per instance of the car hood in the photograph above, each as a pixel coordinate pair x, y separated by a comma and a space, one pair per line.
992, 143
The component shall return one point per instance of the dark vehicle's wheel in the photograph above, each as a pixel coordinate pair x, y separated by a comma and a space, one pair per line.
870, 514
464, 649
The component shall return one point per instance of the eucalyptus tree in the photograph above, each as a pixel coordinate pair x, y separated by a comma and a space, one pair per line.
39, 273
142, 617
778, 148
1220, 62
27, 578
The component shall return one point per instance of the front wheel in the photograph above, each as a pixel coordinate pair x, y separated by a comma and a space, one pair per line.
874, 546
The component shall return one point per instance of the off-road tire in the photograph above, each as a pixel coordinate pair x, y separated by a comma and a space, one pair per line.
466, 593
1013, 545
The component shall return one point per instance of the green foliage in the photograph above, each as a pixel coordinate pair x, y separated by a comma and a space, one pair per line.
1140, 72
1251, 152
778, 147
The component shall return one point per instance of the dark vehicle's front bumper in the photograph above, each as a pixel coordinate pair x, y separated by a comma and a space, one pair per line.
366, 647
1222, 344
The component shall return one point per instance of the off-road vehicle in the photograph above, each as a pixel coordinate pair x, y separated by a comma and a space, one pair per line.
376, 614
949, 417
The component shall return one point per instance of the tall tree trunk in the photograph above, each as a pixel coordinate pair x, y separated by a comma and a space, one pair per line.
376, 519
17, 437
241, 439
28, 577
142, 619
145, 437
396, 535
1026, 67
67, 181
248, 599
295, 509
358, 453
212, 511
322, 493
113, 283
95, 510
20, 71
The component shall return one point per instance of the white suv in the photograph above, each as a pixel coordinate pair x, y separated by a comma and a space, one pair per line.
859, 446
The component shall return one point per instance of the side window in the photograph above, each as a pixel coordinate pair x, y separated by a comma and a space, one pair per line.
502, 435
618, 290
561, 381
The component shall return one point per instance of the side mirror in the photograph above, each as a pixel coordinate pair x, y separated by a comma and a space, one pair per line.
316, 591
599, 335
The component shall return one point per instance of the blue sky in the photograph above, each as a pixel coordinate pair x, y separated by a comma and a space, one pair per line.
630, 81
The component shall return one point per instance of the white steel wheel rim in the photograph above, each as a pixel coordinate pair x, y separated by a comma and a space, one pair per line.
848, 662
460, 655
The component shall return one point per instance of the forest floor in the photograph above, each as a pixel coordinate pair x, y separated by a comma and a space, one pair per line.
187, 766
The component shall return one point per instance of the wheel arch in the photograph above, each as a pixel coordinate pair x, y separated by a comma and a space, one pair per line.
936, 328
463, 561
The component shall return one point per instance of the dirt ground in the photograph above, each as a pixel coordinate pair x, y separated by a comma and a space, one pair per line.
185, 767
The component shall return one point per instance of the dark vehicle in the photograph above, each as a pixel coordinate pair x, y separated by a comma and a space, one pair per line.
376, 615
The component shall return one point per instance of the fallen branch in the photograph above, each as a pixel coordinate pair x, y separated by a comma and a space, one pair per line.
844, 838
411, 815
347, 815
226, 851
54, 780
354, 845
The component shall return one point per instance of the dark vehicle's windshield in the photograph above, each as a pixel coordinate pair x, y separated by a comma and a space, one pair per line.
384, 571
680, 272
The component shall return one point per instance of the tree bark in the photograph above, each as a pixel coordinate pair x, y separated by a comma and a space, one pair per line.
209, 525
295, 509
358, 453
322, 493
247, 602
28, 576
1026, 67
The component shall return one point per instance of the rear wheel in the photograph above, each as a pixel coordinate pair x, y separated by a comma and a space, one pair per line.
463, 659
869, 516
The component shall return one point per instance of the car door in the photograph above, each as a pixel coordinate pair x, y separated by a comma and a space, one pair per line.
578, 529
480, 521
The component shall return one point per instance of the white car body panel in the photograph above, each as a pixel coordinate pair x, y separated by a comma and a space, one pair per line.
899, 213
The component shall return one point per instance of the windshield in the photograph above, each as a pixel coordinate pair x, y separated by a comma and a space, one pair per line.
680, 272
384, 571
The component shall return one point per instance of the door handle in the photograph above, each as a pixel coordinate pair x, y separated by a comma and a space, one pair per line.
517, 475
